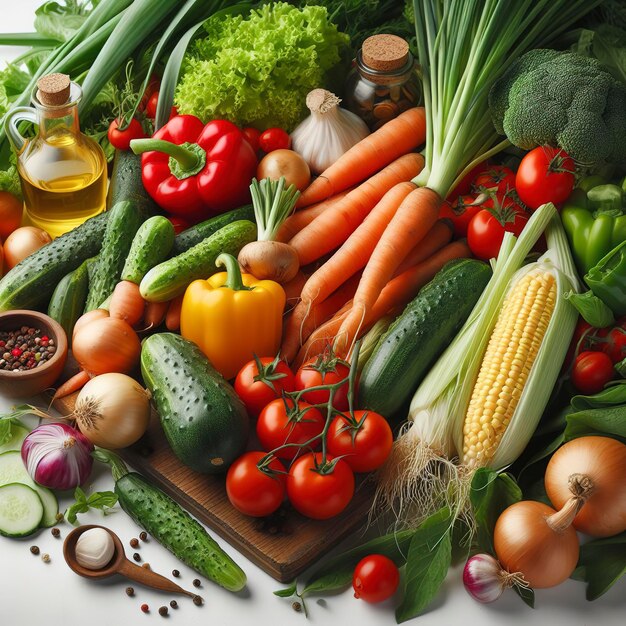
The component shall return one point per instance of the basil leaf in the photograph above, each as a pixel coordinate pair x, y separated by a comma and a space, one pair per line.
428, 561
60, 22
490, 494
292, 590
526, 594
592, 309
608, 421
102, 499
98, 500
601, 564
611, 396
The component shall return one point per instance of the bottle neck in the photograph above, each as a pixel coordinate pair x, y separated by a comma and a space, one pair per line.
54, 121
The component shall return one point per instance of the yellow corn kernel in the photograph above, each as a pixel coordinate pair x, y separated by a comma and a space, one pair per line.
510, 354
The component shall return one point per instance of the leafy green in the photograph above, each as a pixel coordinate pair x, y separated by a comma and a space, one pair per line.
592, 309
601, 564
258, 71
10, 181
292, 590
607, 43
60, 22
430, 556
102, 500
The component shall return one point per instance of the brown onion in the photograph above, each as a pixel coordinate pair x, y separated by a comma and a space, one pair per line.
603, 461
87, 318
22, 243
269, 260
285, 163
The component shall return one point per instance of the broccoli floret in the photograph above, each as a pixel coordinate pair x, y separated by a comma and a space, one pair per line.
564, 100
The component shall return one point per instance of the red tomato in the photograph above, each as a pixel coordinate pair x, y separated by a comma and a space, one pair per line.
545, 175
592, 370
179, 223
364, 442
274, 139
262, 380
280, 422
324, 370
375, 578
486, 230
11, 209
460, 212
121, 139
254, 491
465, 184
320, 491
615, 341
253, 136
497, 178
151, 107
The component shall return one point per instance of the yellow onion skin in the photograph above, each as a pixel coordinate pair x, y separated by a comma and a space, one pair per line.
603, 460
525, 543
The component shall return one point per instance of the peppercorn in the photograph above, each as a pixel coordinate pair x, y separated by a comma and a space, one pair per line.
137, 557
163, 611
21, 349
175, 573
45, 558
196, 582
143, 535
297, 607
134, 543
56, 532
130, 592
34, 550
145, 608
174, 604
198, 601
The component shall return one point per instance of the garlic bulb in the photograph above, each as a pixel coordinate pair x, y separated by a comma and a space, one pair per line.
94, 548
328, 132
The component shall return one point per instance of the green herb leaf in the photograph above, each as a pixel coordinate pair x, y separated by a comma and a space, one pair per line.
610, 396
60, 22
102, 500
592, 309
621, 368
601, 564
430, 556
5, 431
608, 421
292, 590
490, 494
526, 594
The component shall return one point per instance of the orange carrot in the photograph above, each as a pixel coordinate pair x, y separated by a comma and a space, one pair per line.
348, 260
332, 228
293, 289
397, 137
172, 318
76, 382
438, 236
296, 222
155, 314
413, 219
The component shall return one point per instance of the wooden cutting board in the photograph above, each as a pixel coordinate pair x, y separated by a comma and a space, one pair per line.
283, 545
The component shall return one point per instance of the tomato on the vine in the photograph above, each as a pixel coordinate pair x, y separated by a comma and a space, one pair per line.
256, 491
151, 107
252, 136
320, 490
363, 441
545, 174
325, 369
121, 139
461, 211
282, 422
591, 371
375, 578
497, 178
465, 185
274, 139
615, 341
262, 380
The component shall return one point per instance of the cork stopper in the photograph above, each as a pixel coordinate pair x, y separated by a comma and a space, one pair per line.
385, 53
53, 89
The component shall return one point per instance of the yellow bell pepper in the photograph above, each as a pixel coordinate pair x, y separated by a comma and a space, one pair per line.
232, 317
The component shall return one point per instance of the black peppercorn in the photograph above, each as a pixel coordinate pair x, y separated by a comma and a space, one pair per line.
134, 543
130, 591
143, 535
196, 582
163, 611
198, 601
297, 607
34, 550
174, 604
175, 573
56, 532
137, 557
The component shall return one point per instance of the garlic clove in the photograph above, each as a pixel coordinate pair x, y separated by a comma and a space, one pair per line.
94, 549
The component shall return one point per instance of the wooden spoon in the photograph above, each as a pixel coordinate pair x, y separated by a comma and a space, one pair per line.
118, 564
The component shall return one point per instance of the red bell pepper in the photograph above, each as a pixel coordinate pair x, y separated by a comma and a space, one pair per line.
194, 170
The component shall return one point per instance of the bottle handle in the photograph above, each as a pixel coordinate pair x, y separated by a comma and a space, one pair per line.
13, 118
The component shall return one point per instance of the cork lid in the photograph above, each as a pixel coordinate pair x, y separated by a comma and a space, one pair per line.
53, 89
385, 53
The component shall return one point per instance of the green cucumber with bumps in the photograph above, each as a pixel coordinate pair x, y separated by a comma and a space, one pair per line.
421, 333
126, 183
151, 245
170, 278
31, 283
203, 419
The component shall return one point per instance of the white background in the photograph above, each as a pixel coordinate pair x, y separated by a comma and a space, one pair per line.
32, 592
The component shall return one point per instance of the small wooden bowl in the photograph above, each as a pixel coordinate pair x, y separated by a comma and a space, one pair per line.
32, 382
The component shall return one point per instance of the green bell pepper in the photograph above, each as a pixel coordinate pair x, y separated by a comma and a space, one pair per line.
607, 279
594, 219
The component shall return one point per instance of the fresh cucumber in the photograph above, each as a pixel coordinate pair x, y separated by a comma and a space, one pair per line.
421, 333
124, 222
126, 183
170, 278
204, 420
174, 528
21, 510
69, 297
194, 235
30, 284
151, 245
12, 470
14, 442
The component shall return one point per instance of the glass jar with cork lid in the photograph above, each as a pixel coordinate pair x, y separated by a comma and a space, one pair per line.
384, 81
63, 173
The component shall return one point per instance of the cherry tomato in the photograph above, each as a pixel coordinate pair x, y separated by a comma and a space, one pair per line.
612, 341
121, 139
317, 490
261, 381
11, 209
274, 139
151, 107
375, 578
280, 422
486, 230
254, 491
253, 136
497, 178
364, 442
545, 175
460, 212
465, 184
178, 223
324, 370
592, 370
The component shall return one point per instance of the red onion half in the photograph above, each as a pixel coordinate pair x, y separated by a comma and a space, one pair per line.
57, 456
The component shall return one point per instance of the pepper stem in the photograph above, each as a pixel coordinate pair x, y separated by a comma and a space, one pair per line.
186, 160
233, 278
